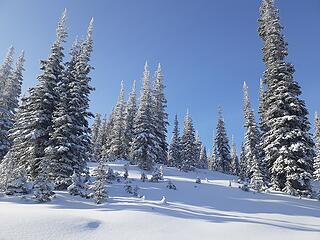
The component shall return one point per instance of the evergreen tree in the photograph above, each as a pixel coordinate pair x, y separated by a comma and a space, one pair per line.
252, 140
30, 133
145, 146
6, 70
287, 141
130, 113
100, 185
234, 158
105, 135
101, 139
96, 128
203, 159
243, 164
69, 140
316, 164
160, 116
198, 144
213, 158
188, 145
174, 154
9, 100
222, 146
117, 147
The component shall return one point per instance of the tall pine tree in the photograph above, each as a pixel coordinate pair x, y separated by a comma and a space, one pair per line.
33, 123
160, 116
117, 146
9, 100
234, 158
145, 146
287, 142
130, 113
223, 157
188, 145
174, 155
252, 138
316, 164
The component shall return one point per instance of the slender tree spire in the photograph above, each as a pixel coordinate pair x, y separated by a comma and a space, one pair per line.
252, 140
161, 117
316, 164
188, 146
174, 155
145, 147
9, 99
130, 113
222, 146
117, 145
234, 157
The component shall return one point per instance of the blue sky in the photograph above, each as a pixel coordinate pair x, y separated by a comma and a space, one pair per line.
207, 48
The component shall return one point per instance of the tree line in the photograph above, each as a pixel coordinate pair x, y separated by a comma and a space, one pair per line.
46, 141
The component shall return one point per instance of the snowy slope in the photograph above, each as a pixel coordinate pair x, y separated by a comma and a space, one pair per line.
211, 210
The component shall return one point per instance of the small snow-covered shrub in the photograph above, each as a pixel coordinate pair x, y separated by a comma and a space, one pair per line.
163, 201
156, 176
144, 177
171, 185
135, 191
161, 172
126, 174
19, 186
43, 189
128, 189
78, 186
62, 183
244, 187
111, 175
198, 180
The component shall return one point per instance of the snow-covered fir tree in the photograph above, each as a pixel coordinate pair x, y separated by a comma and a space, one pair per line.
9, 99
117, 147
100, 193
213, 157
203, 158
81, 97
5, 115
188, 146
145, 146
105, 135
130, 113
288, 144
70, 144
234, 158
316, 164
174, 154
6, 69
43, 187
96, 128
198, 144
101, 139
160, 116
223, 157
252, 138
243, 173
33, 123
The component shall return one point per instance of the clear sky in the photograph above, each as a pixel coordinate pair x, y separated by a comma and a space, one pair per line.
207, 48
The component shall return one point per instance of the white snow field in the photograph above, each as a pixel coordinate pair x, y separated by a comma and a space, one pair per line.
210, 210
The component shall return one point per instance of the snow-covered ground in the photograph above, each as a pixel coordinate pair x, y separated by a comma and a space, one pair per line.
210, 210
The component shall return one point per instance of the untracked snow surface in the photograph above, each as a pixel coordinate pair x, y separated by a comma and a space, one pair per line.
210, 210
